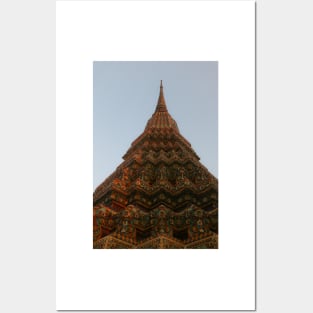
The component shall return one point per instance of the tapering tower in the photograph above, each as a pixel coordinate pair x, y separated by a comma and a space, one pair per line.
160, 196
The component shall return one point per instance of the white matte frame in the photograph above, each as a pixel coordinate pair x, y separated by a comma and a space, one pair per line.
196, 279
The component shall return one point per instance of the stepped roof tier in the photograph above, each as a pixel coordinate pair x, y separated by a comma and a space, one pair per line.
160, 196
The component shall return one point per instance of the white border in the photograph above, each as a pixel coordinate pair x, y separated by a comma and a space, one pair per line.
222, 279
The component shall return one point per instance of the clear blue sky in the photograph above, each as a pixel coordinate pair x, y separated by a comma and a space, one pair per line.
125, 96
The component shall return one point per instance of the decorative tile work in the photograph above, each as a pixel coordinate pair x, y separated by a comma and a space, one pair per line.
161, 196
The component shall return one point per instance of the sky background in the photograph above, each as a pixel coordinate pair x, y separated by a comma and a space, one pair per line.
125, 95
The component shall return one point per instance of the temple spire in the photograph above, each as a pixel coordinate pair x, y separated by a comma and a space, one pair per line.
161, 106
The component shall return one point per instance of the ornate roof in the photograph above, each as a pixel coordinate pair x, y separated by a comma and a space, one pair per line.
160, 173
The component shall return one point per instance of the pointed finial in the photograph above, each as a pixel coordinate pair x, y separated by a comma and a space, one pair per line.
161, 106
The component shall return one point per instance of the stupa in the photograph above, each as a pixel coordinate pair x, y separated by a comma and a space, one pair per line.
160, 196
